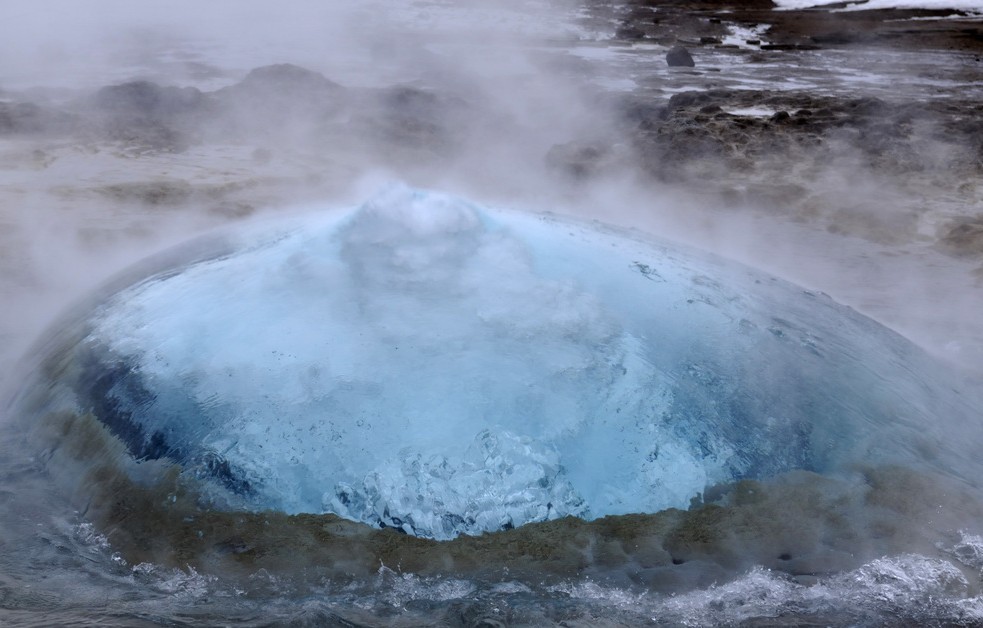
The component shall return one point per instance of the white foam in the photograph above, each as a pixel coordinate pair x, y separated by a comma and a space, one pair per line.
739, 35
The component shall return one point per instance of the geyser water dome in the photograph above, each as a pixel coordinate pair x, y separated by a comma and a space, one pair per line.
429, 365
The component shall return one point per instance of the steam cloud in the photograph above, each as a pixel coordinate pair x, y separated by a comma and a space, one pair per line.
478, 100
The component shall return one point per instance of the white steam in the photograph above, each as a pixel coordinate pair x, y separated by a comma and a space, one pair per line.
78, 208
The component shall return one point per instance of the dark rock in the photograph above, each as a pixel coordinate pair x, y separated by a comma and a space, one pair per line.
867, 106
790, 47
640, 112
710, 40
781, 116
687, 99
629, 32
839, 38
690, 99
679, 57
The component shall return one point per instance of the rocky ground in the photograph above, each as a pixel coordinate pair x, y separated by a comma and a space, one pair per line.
863, 124
703, 23
805, 152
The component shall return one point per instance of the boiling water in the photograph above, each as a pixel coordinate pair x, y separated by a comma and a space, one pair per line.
423, 410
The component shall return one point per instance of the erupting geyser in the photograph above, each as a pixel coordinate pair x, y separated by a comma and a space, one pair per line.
424, 364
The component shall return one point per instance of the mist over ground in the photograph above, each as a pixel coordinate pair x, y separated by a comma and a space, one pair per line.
127, 128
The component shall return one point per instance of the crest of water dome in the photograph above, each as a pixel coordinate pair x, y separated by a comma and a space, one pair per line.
428, 364
417, 311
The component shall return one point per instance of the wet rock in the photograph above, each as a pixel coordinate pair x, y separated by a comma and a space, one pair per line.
839, 38
679, 57
638, 111
629, 32
691, 140
867, 106
789, 47
691, 99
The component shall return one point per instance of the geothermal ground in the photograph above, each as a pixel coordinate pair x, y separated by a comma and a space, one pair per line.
840, 148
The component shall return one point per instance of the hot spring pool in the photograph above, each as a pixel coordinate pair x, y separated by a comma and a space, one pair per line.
424, 388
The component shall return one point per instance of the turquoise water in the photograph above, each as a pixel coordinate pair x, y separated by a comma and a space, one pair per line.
424, 364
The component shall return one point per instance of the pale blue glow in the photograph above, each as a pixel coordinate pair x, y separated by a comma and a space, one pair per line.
445, 368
